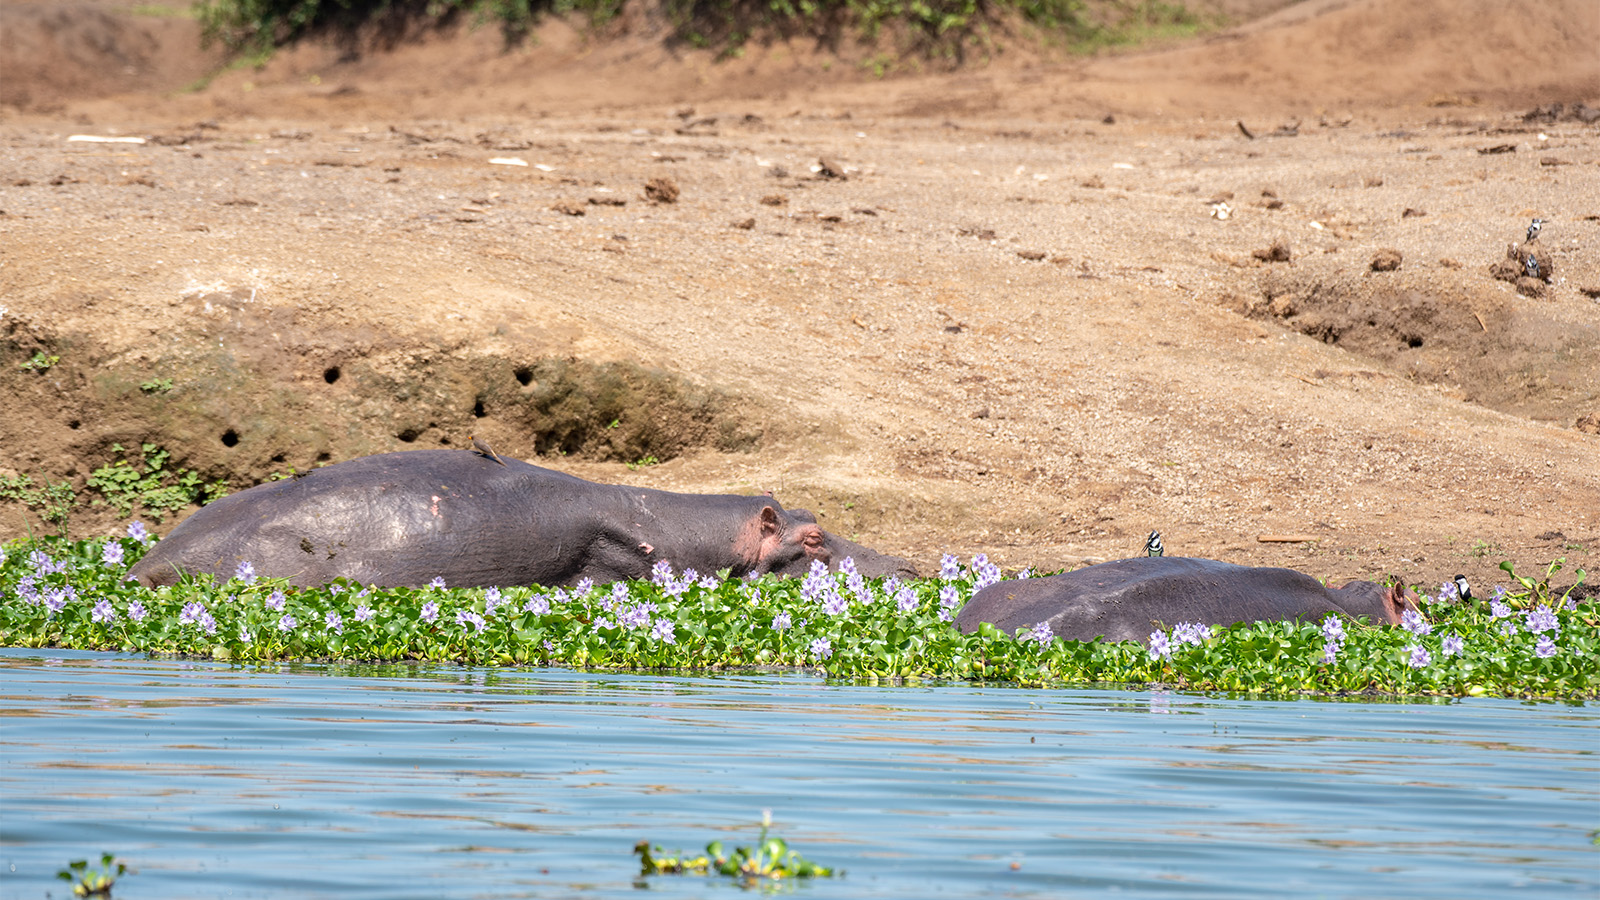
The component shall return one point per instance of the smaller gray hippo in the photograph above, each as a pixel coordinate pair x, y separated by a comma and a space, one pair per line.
1128, 599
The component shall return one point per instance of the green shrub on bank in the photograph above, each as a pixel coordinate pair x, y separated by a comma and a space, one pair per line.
939, 26
1524, 642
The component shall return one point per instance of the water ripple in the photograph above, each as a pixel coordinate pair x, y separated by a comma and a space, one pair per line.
351, 781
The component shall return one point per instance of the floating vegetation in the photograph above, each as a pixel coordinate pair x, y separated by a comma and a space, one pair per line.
97, 882
1522, 640
769, 860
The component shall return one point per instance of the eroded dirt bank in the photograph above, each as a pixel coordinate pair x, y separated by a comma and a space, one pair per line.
1037, 326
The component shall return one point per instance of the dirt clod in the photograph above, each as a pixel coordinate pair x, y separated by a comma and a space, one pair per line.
661, 190
1278, 252
1385, 260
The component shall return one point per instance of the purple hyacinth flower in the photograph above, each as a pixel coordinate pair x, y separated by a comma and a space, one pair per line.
287, 623
1160, 647
1041, 634
949, 567
538, 604
1333, 629
363, 613
430, 611
136, 611
781, 622
822, 648
138, 532
1330, 651
275, 601
1453, 645
245, 572
334, 621
111, 554
103, 612
833, 602
663, 631
583, 587
491, 600
1413, 622
465, 617
1545, 647
661, 572
637, 617
1541, 619
190, 613
601, 622
905, 600
1508, 628
207, 623
987, 572
437, 582
1498, 610
1419, 656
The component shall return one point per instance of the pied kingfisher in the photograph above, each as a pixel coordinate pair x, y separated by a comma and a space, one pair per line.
1152, 544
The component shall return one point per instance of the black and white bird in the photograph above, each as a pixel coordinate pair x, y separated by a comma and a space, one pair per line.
1464, 590
1530, 264
1152, 544
1533, 230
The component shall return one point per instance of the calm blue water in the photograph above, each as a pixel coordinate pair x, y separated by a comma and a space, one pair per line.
440, 782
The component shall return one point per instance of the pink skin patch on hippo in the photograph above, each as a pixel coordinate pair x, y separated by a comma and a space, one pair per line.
435, 507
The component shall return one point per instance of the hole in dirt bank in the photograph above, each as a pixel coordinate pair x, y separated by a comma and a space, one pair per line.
331, 374
409, 434
75, 424
230, 438
1509, 356
626, 412
324, 457
477, 409
524, 375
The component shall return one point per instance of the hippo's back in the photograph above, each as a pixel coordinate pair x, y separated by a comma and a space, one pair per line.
392, 519
1128, 599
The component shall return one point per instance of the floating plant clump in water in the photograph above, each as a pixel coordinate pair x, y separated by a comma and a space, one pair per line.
87, 882
1522, 641
770, 859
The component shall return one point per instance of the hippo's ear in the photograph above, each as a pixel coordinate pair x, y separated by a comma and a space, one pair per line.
769, 522
1398, 600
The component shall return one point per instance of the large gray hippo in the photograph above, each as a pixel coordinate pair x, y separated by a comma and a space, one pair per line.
1128, 599
405, 518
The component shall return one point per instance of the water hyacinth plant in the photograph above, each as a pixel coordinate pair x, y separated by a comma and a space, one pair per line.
769, 860
1524, 641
